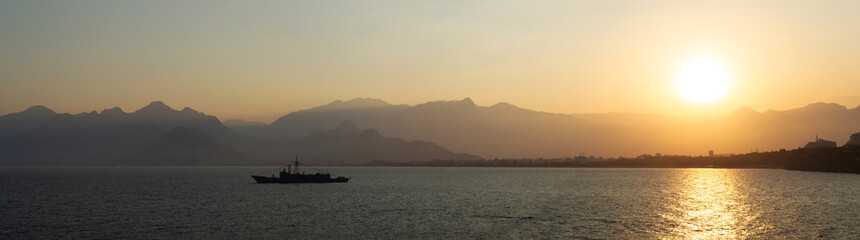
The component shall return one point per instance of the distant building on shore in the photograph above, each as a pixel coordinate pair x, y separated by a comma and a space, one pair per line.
854, 141
711, 153
820, 143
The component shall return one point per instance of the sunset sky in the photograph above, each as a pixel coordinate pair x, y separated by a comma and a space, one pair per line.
259, 60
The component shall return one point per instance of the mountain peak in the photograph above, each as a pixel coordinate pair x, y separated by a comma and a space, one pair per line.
357, 103
369, 134
345, 128
189, 110
155, 107
157, 104
367, 101
467, 101
825, 106
819, 108
39, 109
746, 111
113, 111
504, 105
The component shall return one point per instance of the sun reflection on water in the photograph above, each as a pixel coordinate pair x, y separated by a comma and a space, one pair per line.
707, 204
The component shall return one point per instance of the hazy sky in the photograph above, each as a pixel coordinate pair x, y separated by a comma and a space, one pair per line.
258, 60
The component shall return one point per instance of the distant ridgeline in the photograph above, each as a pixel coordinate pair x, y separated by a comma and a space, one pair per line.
820, 155
505, 130
446, 133
161, 136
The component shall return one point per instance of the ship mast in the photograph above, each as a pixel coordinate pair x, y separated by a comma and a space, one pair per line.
297, 164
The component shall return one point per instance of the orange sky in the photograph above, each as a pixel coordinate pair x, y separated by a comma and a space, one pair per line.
262, 60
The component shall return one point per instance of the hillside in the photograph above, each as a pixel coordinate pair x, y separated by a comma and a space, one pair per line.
186, 146
346, 144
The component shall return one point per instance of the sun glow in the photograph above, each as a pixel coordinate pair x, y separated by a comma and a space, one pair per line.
703, 80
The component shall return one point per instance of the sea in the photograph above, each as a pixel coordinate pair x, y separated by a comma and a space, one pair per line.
428, 203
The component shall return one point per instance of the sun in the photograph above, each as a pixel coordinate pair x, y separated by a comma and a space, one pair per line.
703, 80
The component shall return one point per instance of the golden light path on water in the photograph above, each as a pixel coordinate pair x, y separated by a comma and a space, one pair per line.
708, 204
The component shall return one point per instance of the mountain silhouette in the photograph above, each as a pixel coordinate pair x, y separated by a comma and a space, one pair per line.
42, 137
27, 120
354, 104
297, 125
160, 135
186, 146
462, 126
156, 109
505, 130
346, 144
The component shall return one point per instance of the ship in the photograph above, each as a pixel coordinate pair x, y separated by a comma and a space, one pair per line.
293, 175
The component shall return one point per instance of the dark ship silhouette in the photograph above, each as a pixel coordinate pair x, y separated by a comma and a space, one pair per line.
290, 175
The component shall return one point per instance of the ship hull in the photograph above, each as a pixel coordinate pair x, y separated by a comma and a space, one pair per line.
300, 179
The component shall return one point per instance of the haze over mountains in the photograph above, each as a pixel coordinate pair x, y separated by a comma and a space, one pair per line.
346, 144
506, 131
329, 134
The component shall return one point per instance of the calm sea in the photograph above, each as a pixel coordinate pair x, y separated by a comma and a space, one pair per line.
434, 203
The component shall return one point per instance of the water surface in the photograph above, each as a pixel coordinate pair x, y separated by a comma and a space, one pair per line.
224, 202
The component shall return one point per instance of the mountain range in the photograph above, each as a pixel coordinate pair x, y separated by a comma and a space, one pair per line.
160, 135
39, 136
506, 131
